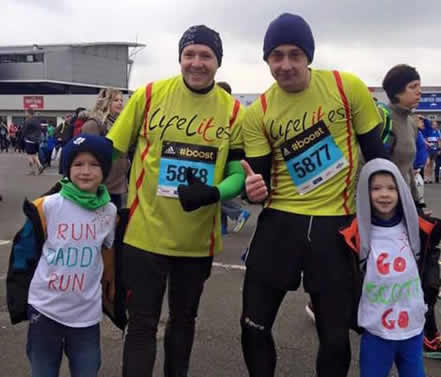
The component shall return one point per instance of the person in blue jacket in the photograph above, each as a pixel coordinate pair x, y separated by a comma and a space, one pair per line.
420, 160
432, 136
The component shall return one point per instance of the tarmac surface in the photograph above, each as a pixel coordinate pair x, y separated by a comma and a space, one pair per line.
217, 349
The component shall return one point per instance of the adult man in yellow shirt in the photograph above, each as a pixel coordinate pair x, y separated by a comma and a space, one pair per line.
301, 141
187, 159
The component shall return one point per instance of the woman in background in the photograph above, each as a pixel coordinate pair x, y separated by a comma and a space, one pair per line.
108, 106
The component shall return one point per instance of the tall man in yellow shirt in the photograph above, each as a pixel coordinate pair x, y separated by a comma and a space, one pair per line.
188, 139
301, 141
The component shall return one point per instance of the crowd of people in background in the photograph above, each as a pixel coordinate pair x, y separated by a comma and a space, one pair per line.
48, 145
10, 137
427, 163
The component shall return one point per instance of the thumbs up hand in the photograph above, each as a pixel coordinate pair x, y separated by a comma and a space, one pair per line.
255, 186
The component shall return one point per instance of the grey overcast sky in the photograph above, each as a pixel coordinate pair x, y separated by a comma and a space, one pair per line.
360, 36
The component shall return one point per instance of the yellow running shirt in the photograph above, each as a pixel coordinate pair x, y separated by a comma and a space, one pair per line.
174, 129
312, 140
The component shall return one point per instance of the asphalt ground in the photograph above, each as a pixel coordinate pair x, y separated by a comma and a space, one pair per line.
217, 349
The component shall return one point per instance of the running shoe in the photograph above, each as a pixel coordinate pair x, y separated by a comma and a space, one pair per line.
432, 348
241, 220
310, 311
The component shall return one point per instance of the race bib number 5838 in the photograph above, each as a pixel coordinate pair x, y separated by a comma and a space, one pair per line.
176, 158
312, 157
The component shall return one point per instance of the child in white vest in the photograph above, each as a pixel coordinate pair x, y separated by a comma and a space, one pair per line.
65, 294
392, 249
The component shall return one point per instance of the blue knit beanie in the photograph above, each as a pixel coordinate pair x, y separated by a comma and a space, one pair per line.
203, 35
289, 29
99, 146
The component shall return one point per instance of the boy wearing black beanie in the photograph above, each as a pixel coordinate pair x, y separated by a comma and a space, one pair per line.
301, 140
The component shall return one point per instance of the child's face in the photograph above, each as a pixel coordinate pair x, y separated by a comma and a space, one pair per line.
384, 195
85, 172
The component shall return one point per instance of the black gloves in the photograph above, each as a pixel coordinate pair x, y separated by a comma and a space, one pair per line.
196, 194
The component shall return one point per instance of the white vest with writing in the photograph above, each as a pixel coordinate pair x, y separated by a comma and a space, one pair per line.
66, 286
392, 302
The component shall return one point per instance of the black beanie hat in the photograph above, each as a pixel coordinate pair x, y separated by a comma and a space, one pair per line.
99, 146
397, 78
289, 29
201, 34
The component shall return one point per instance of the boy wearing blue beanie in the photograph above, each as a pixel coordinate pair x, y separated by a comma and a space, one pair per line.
302, 139
59, 262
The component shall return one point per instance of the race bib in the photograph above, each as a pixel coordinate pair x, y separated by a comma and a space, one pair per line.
312, 157
176, 158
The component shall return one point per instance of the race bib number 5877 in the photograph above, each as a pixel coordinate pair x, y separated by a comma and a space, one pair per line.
312, 157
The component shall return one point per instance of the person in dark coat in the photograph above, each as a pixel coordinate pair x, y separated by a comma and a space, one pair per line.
31, 136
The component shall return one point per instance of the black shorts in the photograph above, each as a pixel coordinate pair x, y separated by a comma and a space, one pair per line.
31, 148
286, 245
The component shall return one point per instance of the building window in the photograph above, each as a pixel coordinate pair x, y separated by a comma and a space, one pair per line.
21, 58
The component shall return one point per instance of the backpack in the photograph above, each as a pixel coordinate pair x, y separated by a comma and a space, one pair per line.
388, 138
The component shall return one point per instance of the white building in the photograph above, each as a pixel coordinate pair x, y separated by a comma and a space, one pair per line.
56, 79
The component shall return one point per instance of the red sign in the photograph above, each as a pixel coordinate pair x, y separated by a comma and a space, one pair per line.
33, 102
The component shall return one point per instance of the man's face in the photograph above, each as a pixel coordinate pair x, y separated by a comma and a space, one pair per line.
434, 124
411, 95
289, 67
198, 66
